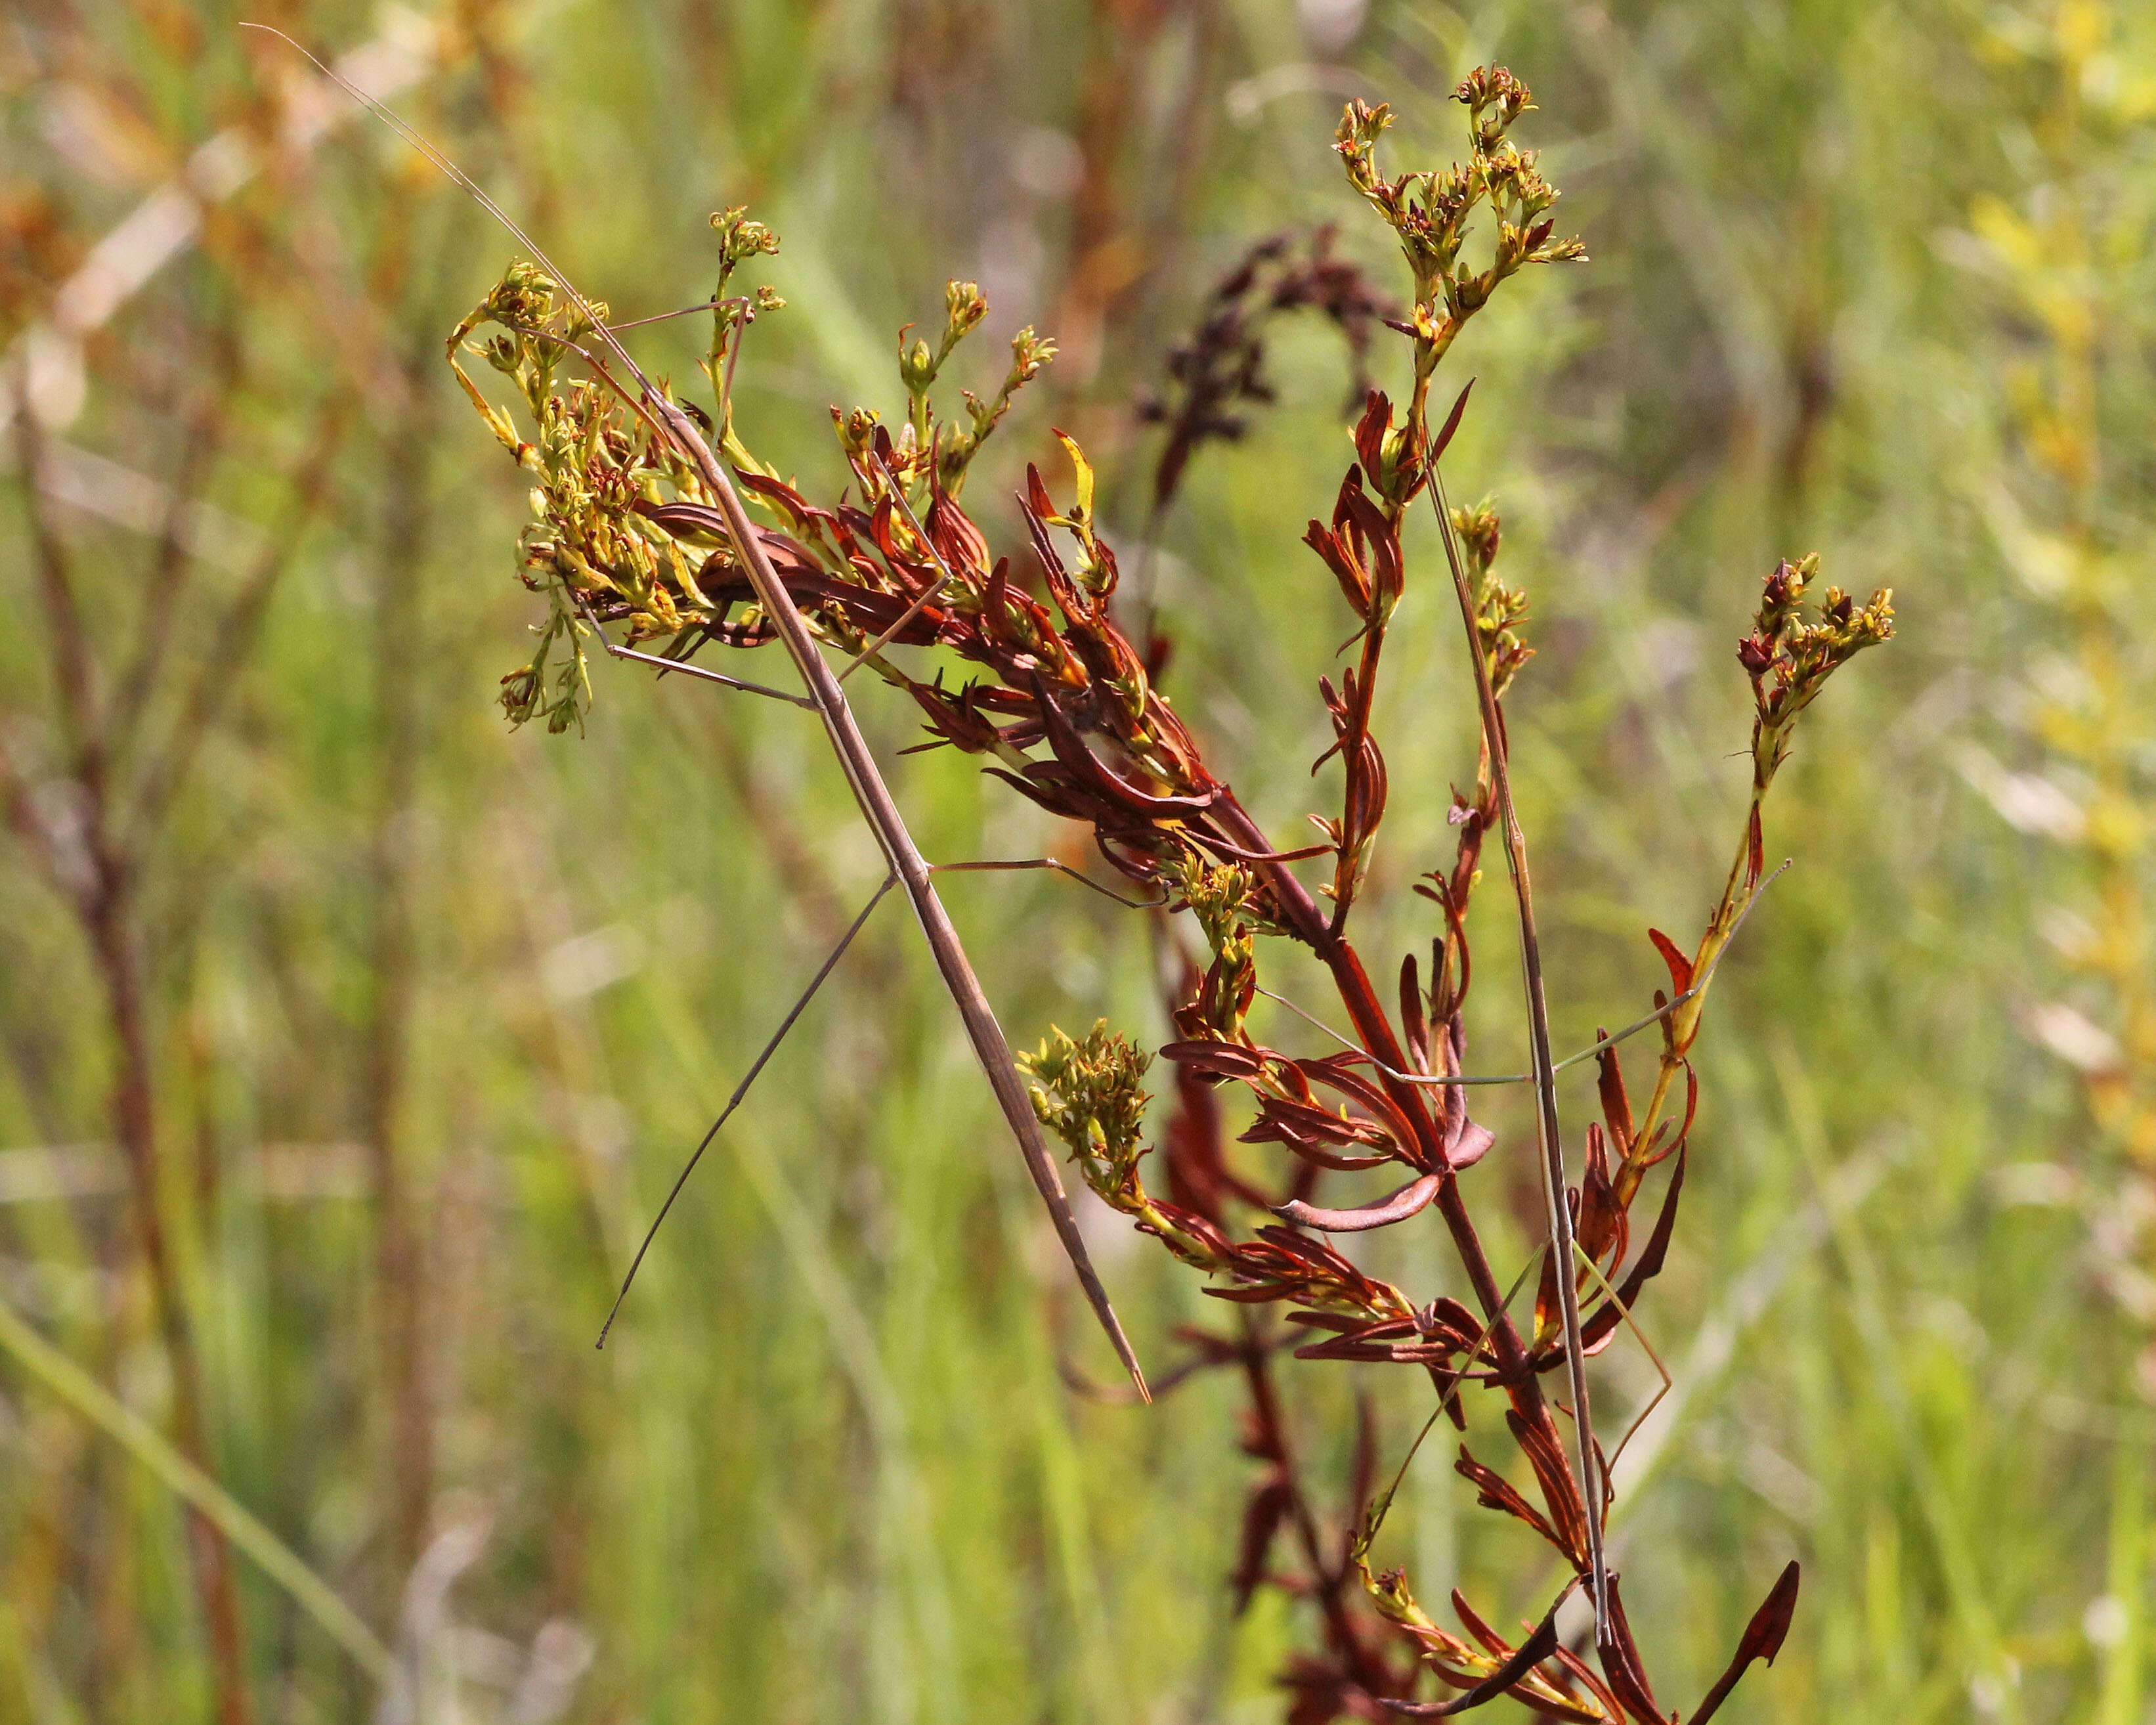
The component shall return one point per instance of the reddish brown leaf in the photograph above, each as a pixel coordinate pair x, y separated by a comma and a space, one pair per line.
1538, 1442
1383, 539
1392, 1353
1229, 1060
1616, 1105
1583, 1676
1603, 1323
1342, 1325
1763, 1639
1445, 1315
1531, 1653
1770, 1624
1255, 1296
1412, 1199
1475, 1626
1301, 1125
1604, 1228
1080, 763
1414, 1028
1451, 422
1620, 1663
1466, 1143
956, 537
1493, 1493
1673, 956
1354, 584
1371, 428
1037, 502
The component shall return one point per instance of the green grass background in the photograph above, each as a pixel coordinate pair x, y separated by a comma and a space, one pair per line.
827, 1470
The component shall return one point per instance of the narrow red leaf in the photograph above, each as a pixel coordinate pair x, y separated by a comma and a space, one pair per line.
1606, 1318
1229, 1060
1037, 500
1621, 1664
1370, 430
1673, 956
1763, 1639
1451, 422
1410, 1201
1532, 1652
1414, 1028
1492, 1492
1616, 1105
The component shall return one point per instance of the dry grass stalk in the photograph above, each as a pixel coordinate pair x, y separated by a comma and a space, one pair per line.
91, 818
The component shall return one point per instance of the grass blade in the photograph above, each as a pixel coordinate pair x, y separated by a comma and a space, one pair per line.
189, 1483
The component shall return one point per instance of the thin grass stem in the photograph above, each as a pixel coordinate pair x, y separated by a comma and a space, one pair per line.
189, 1483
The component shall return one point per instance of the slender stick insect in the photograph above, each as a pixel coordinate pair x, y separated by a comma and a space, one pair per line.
877, 808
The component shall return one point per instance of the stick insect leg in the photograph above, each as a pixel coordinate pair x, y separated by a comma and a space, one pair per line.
1633, 1325
884, 640
1602, 1043
1063, 867
634, 323
1446, 1393
1355, 1047
740, 1090
687, 669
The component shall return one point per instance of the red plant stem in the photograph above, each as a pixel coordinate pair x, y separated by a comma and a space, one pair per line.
1554, 1195
1270, 1429
1377, 1033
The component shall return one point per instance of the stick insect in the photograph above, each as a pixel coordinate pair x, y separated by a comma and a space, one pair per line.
871, 795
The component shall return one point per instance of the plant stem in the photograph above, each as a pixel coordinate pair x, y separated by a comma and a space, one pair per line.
398, 1257
97, 874
1376, 1031
135, 1124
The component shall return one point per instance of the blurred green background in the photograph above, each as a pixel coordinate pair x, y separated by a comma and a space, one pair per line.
425, 1014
